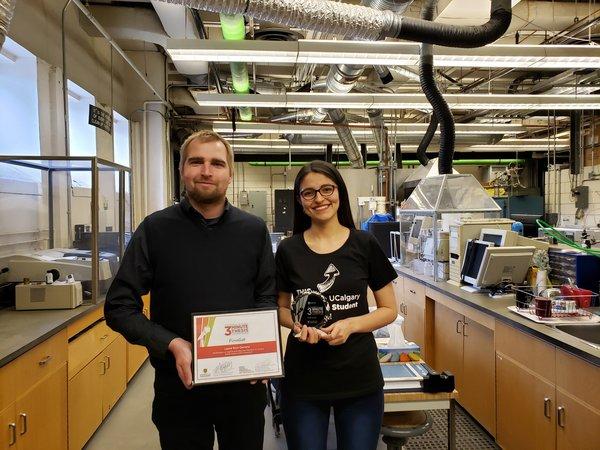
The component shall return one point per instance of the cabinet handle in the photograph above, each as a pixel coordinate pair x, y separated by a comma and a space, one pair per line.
12, 428
104, 337
561, 416
464, 328
547, 405
23, 419
107, 362
457, 322
103, 364
412, 292
42, 362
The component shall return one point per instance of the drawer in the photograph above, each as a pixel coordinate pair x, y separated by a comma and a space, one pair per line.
414, 292
40, 361
536, 355
88, 345
8, 377
578, 377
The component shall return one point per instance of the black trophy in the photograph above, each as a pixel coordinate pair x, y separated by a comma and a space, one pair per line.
312, 309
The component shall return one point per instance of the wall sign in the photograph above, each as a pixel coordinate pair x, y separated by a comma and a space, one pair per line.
100, 119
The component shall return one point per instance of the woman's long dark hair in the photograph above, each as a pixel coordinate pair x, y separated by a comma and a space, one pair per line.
301, 220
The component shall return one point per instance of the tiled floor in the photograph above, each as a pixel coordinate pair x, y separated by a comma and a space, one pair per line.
129, 427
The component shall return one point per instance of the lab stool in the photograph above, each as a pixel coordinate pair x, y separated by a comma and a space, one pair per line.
399, 426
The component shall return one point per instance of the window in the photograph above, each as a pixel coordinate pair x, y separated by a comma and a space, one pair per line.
19, 119
121, 139
82, 135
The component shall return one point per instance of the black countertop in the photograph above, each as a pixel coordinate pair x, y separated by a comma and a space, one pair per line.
22, 330
497, 308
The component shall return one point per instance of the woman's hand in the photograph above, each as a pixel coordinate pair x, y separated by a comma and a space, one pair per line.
339, 332
310, 335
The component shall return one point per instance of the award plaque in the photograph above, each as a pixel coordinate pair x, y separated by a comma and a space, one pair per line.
235, 346
312, 309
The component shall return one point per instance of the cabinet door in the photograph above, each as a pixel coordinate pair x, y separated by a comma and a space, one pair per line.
526, 408
578, 425
42, 414
479, 379
8, 428
448, 343
136, 355
115, 379
85, 402
414, 321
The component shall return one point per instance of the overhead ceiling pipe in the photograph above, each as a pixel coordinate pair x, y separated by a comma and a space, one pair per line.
380, 134
361, 22
7, 9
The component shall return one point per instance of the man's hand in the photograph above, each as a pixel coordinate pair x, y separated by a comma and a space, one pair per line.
339, 332
182, 351
262, 381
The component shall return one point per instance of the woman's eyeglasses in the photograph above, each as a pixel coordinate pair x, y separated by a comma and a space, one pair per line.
326, 191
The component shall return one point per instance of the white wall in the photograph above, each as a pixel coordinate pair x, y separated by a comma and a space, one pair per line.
565, 202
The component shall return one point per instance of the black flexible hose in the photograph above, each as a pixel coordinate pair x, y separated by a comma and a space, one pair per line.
427, 13
464, 36
441, 109
424, 144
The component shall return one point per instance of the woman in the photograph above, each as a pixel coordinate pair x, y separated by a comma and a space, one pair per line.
328, 263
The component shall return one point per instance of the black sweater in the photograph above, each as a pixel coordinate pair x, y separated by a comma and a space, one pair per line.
189, 265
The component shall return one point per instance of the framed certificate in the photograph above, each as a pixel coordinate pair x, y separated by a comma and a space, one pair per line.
234, 346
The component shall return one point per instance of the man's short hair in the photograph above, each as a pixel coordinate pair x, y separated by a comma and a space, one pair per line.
205, 136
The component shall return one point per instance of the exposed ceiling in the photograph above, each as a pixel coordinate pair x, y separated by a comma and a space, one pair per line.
534, 22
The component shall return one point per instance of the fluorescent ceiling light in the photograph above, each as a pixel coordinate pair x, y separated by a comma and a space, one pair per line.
399, 101
385, 53
404, 129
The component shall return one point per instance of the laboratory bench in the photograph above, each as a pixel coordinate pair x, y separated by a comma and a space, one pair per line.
529, 385
61, 372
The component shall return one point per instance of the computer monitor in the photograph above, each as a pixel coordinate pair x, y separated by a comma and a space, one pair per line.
474, 255
495, 236
504, 264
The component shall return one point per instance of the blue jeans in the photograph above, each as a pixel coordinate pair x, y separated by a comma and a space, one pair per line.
357, 422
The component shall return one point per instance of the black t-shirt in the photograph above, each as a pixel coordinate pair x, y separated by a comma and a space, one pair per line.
321, 371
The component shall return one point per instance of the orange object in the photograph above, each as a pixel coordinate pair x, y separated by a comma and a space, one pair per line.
404, 358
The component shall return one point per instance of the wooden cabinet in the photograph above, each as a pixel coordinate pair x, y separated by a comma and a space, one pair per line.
398, 286
578, 425
466, 348
546, 397
115, 374
42, 414
525, 407
8, 427
85, 402
448, 343
577, 403
33, 413
99, 354
414, 312
479, 374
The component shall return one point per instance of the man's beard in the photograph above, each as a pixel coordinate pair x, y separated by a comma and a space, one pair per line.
205, 198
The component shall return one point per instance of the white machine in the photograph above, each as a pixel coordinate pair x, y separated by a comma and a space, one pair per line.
442, 247
58, 295
67, 261
486, 265
465, 231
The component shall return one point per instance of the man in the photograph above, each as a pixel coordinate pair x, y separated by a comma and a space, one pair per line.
201, 255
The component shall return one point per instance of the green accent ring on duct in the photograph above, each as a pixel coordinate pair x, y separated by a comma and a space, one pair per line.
410, 162
233, 28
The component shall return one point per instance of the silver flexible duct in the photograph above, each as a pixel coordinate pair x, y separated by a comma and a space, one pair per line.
7, 9
353, 21
340, 122
380, 134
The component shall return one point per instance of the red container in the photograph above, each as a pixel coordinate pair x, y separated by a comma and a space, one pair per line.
583, 297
